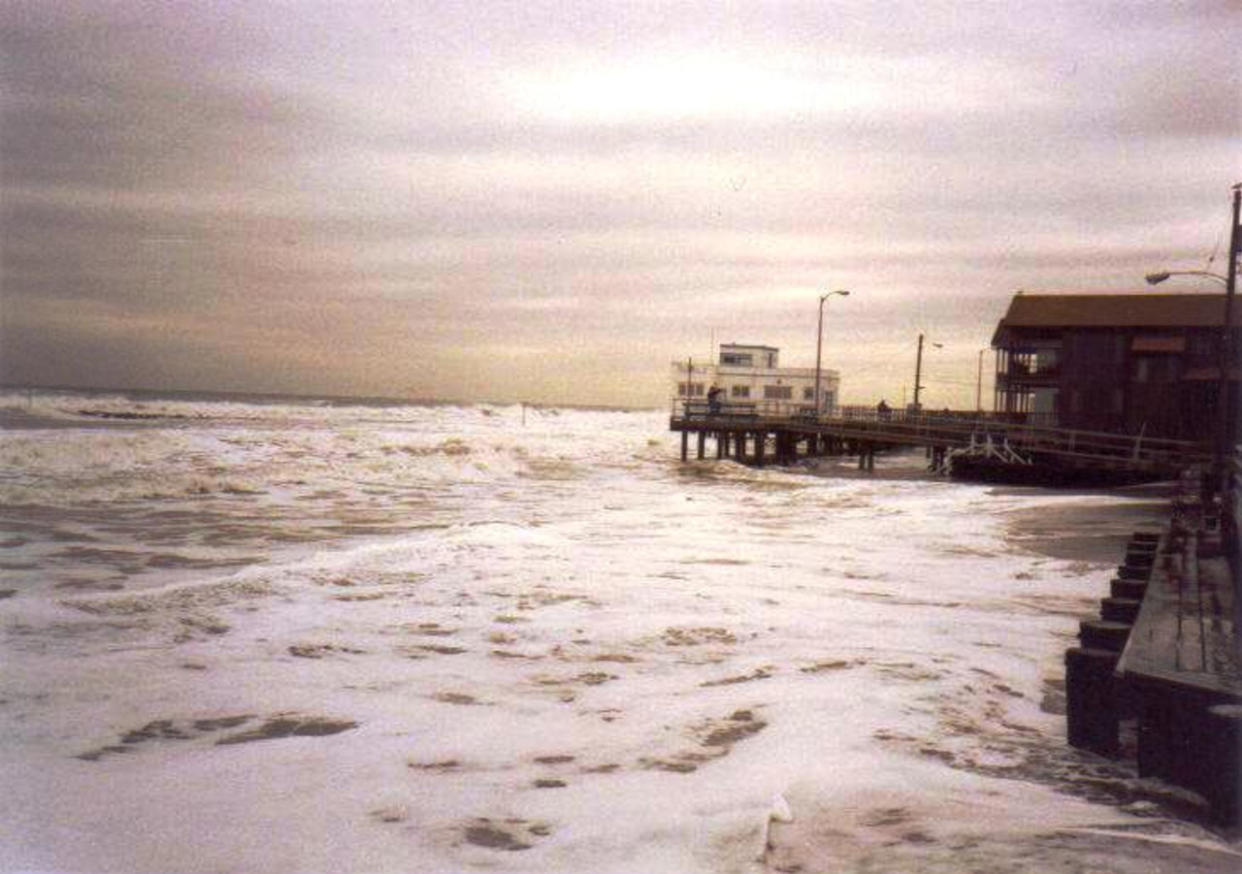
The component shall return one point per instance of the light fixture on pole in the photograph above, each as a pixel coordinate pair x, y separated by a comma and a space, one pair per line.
918, 371
1226, 427
819, 340
1157, 278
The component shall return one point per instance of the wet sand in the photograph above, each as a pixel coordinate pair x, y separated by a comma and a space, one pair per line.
1094, 531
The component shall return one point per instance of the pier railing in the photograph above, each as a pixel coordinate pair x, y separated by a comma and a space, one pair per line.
787, 409
952, 429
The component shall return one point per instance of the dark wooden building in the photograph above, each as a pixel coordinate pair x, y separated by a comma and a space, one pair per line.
1125, 363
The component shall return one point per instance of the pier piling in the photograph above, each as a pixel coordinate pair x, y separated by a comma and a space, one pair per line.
1119, 588
1123, 610
1091, 700
1163, 657
1104, 634
1224, 786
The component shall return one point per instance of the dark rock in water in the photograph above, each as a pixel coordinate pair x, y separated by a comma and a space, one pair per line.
128, 416
159, 729
487, 835
221, 722
290, 727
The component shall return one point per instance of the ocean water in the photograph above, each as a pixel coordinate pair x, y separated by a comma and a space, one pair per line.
273, 635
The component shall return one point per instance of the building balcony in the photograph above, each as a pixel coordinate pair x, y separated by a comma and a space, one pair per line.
1029, 376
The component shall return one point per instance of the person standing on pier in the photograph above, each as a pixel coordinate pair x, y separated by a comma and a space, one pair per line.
713, 399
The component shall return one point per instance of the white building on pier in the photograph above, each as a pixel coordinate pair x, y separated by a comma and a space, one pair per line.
751, 374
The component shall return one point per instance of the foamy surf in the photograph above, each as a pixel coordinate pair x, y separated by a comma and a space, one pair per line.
577, 655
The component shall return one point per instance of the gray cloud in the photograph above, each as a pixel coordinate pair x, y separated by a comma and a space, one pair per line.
290, 196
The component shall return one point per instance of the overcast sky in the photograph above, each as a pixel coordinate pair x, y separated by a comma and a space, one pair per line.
552, 201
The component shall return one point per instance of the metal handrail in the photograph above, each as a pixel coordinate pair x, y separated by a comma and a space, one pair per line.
959, 427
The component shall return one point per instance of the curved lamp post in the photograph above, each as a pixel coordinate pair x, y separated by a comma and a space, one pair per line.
918, 372
1157, 278
819, 341
1226, 428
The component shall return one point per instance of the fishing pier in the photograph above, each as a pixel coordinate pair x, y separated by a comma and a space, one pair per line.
1158, 676
961, 443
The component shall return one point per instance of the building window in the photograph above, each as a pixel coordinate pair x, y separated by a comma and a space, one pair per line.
778, 392
808, 393
1202, 344
737, 359
740, 391
695, 389
1046, 360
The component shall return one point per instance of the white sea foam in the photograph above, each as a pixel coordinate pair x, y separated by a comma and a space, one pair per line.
434, 639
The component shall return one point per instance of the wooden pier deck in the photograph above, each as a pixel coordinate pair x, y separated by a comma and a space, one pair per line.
1166, 656
741, 433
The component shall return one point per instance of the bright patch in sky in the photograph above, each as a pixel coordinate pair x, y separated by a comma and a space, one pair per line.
706, 86
664, 88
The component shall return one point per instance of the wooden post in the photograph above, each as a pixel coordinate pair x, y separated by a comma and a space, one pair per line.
1224, 787
1125, 610
866, 456
1102, 634
1091, 700
685, 445
760, 439
1120, 588
722, 441
702, 445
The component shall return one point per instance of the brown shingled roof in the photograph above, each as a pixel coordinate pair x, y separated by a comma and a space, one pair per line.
1115, 311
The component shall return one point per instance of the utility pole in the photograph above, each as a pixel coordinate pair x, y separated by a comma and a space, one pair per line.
979, 384
689, 383
1226, 436
918, 371
819, 347
819, 341
918, 374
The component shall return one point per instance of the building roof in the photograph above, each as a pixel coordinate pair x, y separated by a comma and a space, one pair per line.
1114, 311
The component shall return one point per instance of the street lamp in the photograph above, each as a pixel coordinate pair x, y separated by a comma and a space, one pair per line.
1226, 429
1157, 278
819, 340
918, 371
